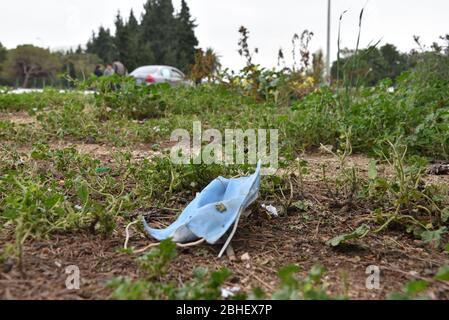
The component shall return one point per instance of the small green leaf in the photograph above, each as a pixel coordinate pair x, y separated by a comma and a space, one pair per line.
316, 273
82, 190
302, 205
443, 273
168, 249
286, 273
200, 272
360, 232
219, 277
433, 237
102, 170
445, 214
415, 287
411, 291
257, 294
372, 170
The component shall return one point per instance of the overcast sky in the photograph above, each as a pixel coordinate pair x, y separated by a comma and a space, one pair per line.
64, 23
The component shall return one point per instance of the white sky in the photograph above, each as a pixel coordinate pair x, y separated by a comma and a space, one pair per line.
64, 23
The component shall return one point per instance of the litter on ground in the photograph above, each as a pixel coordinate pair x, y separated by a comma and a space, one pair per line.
213, 212
272, 211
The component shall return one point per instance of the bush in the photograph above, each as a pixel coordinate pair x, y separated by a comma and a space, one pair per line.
123, 97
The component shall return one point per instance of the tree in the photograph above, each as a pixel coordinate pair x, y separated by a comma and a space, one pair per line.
79, 65
79, 50
28, 61
121, 38
445, 47
146, 35
161, 37
146, 55
158, 31
393, 62
126, 40
205, 66
317, 71
133, 24
3, 53
370, 65
187, 39
103, 45
133, 42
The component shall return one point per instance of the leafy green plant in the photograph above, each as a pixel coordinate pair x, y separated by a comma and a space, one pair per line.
358, 233
404, 198
35, 210
204, 285
412, 291
156, 262
443, 273
308, 288
123, 97
433, 237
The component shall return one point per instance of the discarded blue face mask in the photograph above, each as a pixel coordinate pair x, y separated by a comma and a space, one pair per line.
213, 212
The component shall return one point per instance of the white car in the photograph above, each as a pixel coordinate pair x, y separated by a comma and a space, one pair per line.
159, 74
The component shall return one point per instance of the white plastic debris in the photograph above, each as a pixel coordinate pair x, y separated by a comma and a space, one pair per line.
271, 210
229, 292
245, 257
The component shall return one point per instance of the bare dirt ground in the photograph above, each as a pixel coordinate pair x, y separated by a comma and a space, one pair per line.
270, 243
298, 238
17, 118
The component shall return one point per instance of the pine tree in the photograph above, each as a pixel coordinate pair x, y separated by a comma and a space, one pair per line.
165, 49
121, 41
146, 34
158, 29
187, 39
133, 24
3, 53
103, 45
160, 38
133, 42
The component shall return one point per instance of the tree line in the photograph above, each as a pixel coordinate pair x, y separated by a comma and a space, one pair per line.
163, 36
160, 36
370, 65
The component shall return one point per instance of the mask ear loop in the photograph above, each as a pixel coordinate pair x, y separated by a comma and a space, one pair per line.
234, 229
179, 245
228, 241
